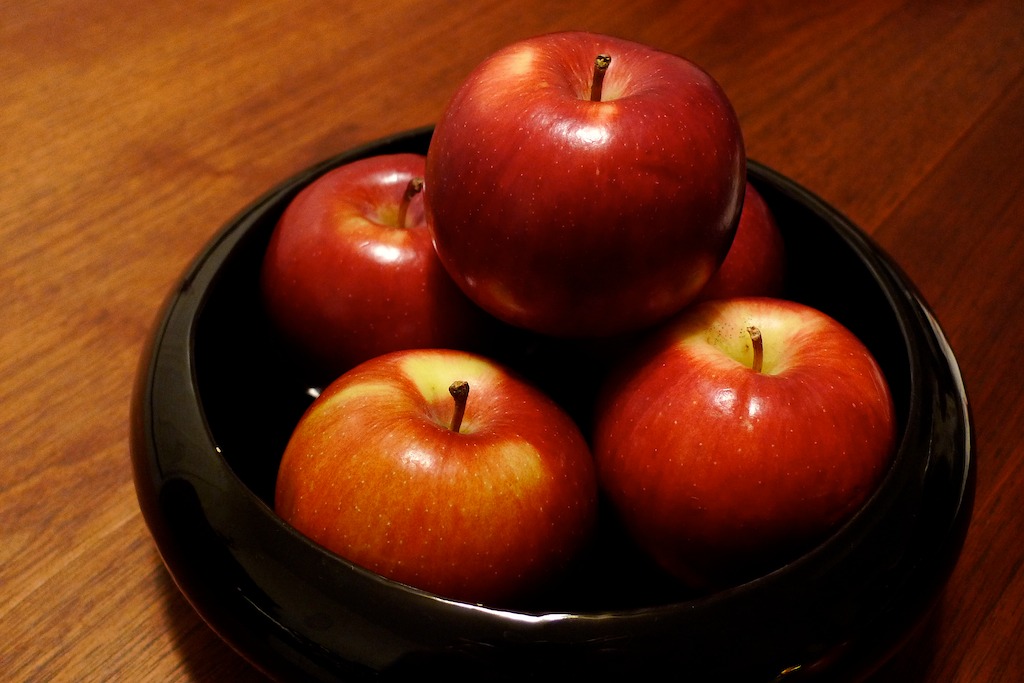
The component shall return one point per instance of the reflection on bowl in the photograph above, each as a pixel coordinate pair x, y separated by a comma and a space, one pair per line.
217, 396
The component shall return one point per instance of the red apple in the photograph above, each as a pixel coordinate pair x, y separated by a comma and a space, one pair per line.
741, 435
350, 271
755, 264
578, 197
482, 507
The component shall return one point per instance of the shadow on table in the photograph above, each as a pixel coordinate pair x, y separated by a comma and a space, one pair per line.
205, 656
914, 662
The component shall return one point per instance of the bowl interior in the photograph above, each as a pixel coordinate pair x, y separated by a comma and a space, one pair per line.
253, 388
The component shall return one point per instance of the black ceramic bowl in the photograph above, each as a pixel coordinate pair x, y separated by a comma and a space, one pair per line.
217, 397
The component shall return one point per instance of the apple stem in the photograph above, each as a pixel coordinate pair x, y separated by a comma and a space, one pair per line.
758, 345
460, 392
601, 64
414, 187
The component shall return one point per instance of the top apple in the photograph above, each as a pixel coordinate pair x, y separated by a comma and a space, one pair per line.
581, 185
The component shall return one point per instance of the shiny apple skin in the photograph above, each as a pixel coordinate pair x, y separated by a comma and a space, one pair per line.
344, 283
722, 473
756, 262
374, 473
576, 218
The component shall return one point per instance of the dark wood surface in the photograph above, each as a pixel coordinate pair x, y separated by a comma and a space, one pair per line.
131, 132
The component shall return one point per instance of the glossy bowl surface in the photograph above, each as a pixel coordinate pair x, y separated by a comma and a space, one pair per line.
217, 396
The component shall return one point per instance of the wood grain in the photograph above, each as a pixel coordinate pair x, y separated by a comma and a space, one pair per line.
130, 132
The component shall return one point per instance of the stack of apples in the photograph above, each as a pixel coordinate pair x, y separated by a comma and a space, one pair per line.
592, 190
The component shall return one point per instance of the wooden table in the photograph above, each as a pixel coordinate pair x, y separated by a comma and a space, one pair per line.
131, 132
